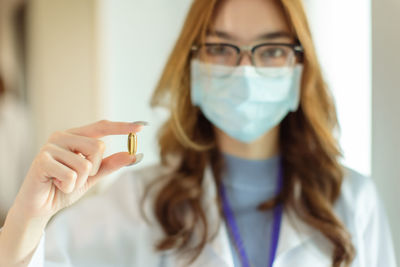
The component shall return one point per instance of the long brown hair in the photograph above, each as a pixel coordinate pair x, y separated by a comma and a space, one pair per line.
309, 149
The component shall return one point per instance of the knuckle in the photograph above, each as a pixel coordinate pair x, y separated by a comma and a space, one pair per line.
55, 136
86, 166
44, 149
67, 188
71, 177
44, 157
69, 183
47, 148
100, 146
41, 162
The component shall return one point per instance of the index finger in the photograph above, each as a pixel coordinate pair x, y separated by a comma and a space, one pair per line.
104, 127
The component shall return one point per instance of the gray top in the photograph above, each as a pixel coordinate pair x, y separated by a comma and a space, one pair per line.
249, 183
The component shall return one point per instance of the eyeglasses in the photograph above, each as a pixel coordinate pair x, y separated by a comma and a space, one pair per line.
266, 55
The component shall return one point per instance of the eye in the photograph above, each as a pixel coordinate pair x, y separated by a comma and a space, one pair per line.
273, 55
219, 50
273, 52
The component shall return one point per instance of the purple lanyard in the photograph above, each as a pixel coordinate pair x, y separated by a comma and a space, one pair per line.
276, 225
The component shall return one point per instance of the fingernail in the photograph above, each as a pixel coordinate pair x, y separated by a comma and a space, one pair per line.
143, 123
139, 158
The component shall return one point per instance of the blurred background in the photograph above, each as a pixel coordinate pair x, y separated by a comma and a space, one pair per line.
65, 63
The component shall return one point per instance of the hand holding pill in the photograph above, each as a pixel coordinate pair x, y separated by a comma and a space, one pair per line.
70, 163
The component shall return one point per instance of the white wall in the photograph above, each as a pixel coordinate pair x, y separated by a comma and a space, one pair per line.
358, 44
62, 65
386, 108
137, 37
342, 33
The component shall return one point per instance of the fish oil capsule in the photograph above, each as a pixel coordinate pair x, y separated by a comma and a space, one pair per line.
132, 143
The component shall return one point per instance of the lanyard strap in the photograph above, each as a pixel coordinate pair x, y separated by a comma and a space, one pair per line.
230, 218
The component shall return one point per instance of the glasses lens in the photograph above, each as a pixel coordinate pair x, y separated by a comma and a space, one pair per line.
269, 59
218, 54
274, 56
219, 59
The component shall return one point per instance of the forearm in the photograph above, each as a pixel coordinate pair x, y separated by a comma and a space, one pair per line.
19, 238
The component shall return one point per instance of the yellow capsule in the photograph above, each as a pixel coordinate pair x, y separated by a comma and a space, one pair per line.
132, 143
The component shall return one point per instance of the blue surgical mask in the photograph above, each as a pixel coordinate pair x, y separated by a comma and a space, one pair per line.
245, 104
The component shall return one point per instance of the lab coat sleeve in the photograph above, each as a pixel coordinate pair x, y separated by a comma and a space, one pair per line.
376, 234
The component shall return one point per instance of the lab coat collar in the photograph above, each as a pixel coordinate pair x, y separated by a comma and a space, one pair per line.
293, 231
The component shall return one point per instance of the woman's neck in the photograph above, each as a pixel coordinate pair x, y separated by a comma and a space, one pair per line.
264, 147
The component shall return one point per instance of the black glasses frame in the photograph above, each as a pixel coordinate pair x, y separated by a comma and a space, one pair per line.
297, 49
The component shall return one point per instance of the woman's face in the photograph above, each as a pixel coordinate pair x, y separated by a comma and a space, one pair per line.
250, 22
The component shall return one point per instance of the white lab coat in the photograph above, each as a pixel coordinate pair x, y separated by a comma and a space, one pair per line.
108, 230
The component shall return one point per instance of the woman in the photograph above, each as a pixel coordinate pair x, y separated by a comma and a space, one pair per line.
249, 172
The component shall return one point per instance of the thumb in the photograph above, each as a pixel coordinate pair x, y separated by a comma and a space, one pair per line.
113, 163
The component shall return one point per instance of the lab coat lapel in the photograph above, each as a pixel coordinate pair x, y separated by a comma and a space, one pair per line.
218, 252
220, 245
300, 244
293, 233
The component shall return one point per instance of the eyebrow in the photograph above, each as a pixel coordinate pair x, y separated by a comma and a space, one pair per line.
269, 36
